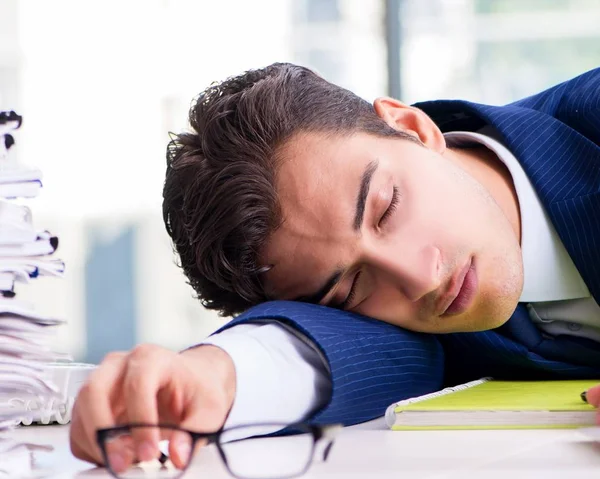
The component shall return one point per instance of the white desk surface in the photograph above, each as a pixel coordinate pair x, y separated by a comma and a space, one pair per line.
371, 451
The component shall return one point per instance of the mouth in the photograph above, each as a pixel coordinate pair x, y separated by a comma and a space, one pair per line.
461, 291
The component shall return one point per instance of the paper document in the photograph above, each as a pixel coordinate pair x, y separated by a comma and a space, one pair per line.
30, 389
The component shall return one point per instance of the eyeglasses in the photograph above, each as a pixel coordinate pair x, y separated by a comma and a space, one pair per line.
248, 452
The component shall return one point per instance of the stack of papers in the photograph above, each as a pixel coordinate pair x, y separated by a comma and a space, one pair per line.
16, 180
25, 254
9, 122
24, 251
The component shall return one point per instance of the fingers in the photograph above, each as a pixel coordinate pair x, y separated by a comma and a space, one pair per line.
120, 453
77, 437
92, 408
181, 445
141, 386
593, 396
180, 448
151, 385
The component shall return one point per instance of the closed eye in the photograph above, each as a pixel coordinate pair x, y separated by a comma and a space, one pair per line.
391, 208
348, 301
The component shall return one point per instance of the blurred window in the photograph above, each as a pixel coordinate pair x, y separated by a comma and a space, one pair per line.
322, 11
494, 51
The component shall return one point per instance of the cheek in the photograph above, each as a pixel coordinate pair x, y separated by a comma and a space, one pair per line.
436, 195
437, 214
465, 214
387, 304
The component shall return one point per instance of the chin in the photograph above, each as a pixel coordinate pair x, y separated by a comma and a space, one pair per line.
497, 303
497, 312
477, 324
489, 314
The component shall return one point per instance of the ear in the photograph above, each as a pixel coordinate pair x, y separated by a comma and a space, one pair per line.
412, 121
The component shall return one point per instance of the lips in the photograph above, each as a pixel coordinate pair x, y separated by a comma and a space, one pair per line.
461, 291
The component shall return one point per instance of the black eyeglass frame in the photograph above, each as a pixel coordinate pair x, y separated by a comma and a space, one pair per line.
317, 432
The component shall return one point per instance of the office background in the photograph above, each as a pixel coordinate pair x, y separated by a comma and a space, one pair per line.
101, 82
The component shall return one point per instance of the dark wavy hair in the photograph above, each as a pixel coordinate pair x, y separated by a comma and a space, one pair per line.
220, 202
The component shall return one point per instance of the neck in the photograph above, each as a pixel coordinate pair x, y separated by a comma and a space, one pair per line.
485, 166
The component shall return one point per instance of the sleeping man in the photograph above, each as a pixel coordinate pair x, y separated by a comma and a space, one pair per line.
376, 252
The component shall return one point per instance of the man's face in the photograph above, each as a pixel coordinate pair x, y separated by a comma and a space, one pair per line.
404, 252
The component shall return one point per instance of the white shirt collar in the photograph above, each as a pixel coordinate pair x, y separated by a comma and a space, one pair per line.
549, 272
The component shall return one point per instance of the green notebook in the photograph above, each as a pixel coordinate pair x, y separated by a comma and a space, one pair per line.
490, 404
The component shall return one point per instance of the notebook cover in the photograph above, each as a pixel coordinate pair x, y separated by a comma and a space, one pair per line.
492, 395
511, 396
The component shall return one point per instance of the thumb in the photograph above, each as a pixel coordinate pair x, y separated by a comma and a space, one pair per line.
210, 384
198, 419
205, 377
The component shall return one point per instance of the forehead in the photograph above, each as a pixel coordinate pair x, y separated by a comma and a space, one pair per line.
315, 170
317, 183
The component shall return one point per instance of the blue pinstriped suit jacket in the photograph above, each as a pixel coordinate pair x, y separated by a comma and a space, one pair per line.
555, 135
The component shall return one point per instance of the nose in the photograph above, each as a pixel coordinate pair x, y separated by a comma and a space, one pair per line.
415, 273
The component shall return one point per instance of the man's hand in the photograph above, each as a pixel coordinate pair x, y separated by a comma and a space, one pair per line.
193, 389
593, 398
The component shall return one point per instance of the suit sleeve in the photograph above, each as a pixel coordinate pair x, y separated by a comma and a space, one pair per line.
372, 364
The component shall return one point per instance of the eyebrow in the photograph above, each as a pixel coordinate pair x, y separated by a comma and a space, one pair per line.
363, 192
361, 202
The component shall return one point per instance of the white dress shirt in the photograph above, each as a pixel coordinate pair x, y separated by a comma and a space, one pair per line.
558, 300
282, 377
